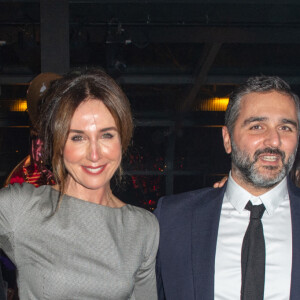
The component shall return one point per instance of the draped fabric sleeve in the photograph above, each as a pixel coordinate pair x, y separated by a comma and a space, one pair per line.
12, 202
159, 281
145, 280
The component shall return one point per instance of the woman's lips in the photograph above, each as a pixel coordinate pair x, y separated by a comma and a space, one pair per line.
94, 170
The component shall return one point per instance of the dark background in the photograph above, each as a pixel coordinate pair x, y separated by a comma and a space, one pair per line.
168, 56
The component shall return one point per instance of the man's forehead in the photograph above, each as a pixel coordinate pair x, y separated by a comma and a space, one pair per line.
266, 95
261, 100
271, 105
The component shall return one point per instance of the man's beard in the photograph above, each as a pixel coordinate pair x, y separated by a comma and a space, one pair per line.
251, 174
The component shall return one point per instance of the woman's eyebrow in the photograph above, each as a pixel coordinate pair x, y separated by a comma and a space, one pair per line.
108, 128
101, 130
76, 130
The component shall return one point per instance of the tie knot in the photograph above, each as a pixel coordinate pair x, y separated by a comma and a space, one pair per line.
257, 211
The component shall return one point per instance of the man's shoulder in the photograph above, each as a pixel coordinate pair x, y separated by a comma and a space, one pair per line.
188, 200
191, 195
294, 191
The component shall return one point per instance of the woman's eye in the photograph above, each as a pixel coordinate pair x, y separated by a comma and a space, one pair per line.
77, 138
107, 135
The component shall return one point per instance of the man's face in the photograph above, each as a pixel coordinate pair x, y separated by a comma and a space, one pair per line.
264, 140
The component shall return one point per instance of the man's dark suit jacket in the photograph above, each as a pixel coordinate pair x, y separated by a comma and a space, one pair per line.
188, 235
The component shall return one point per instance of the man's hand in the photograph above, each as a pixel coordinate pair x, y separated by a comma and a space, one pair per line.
220, 183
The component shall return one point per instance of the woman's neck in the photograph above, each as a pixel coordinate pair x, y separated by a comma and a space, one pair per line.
102, 196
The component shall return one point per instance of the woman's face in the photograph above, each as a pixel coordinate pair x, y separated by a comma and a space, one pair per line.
93, 149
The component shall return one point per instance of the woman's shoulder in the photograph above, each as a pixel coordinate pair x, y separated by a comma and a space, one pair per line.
17, 189
142, 215
146, 231
17, 200
25, 189
24, 194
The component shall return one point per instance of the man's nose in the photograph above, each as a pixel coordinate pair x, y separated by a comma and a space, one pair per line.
272, 138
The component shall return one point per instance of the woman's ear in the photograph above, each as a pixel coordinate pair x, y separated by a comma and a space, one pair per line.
226, 139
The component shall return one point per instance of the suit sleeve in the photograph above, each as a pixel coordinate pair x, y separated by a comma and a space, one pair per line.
159, 281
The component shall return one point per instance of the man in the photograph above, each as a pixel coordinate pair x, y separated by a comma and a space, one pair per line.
203, 251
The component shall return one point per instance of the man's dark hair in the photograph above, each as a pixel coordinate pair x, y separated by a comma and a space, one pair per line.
257, 84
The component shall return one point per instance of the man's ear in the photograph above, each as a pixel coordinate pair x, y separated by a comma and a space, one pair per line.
226, 139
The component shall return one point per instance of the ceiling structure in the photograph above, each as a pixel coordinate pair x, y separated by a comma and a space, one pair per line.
167, 55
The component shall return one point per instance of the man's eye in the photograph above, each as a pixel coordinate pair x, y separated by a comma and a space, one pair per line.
286, 128
255, 127
77, 138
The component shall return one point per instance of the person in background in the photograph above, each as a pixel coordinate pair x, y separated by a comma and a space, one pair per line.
32, 169
241, 241
75, 239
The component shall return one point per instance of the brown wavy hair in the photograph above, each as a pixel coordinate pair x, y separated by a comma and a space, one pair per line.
58, 107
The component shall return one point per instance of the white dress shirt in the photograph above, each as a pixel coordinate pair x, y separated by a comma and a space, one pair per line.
278, 239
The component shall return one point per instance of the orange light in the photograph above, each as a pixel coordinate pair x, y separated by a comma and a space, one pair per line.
214, 104
18, 105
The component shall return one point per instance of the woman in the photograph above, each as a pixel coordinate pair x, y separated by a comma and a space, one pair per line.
76, 240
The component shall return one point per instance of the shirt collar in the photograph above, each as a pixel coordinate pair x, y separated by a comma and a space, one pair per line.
239, 197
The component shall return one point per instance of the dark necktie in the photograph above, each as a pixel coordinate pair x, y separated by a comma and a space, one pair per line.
253, 256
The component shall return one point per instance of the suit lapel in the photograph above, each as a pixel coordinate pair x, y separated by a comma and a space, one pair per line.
294, 194
205, 226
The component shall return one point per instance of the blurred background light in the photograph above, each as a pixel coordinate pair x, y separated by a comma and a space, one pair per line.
18, 105
214, 104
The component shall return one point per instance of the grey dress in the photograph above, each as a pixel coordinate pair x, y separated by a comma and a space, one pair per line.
84, 251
